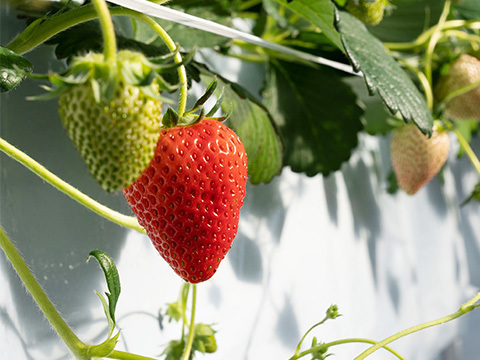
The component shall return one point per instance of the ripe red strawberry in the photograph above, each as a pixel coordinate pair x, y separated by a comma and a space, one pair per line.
189, 198
416, 159
464, 72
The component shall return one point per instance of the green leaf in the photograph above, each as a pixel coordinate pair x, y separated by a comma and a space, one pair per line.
383, 75
255, 127
317, 116
111, 276
320, 13
407, 20
13, 68
174, 350
469, 9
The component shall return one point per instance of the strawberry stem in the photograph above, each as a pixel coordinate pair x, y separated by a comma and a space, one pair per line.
436, 35
77, 347
465, 308
342, 342
108, 31
468, 150
123, 220
191, 334
182, 72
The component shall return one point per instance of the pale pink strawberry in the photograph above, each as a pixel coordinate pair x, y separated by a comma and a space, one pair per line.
464, 72
416, 159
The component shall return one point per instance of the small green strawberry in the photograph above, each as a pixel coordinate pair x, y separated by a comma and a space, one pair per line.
369, 12
464, 73
112, 113
189, 198
416, 159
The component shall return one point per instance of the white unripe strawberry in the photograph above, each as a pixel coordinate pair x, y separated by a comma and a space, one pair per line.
463, 72
416, 159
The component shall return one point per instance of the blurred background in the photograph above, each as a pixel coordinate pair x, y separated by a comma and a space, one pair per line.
387, 261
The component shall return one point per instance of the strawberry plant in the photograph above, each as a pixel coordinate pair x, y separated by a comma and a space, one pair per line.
173, 115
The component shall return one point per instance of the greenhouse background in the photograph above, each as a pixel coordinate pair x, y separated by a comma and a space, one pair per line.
387, 261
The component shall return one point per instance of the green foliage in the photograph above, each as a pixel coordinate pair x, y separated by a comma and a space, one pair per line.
383, 75
13, 68
316, 114
113, 281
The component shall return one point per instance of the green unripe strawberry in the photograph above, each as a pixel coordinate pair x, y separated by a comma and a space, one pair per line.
112, 113
369, 12
416, 159
463, 74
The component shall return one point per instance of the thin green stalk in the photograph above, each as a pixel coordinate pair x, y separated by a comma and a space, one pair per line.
297, 350
468, 150
182, 72
436, 35
66, 188
427, 89
108, 31
424, 38
465, 308
191, 334
342, 342
77, 347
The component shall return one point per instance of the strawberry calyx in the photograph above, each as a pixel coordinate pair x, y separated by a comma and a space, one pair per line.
171, 118
129, 67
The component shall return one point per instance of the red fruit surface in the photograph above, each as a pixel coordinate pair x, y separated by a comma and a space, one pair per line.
416, 159
189, 198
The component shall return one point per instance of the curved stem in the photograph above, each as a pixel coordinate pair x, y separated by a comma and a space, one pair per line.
424, 38
77, 347
66, 188
36, 34
342, 342
108, 32
436, 35
191, 334
297, 350
427, 89
182, 72
465, 308
468, 150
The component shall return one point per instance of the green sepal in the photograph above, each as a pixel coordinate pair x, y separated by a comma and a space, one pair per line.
13, 68
204, 98
104, 349
204, 340
113, 282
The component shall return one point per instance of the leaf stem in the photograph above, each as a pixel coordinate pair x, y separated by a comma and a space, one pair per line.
108, 31
342, 342
465, 308
102, 210
77, 347
191, 334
